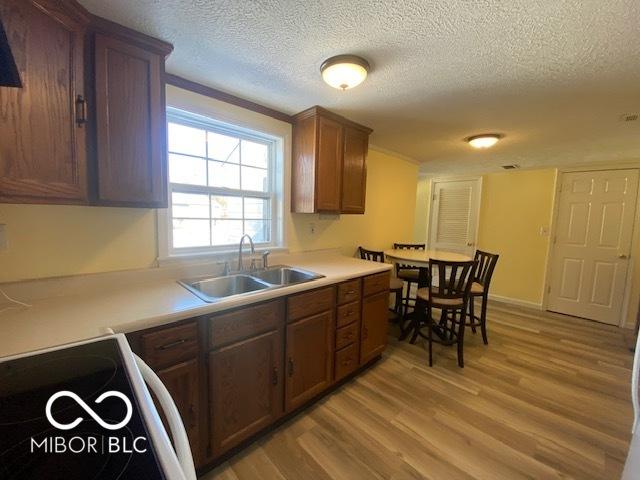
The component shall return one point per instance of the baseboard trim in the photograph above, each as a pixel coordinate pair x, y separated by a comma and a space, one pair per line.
516, 301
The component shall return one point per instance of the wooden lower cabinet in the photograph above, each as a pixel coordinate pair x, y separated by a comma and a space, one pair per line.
183, 383
374, 326
236, 373
309, 358
245, 389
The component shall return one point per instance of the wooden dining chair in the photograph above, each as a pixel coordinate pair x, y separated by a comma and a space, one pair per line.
448, 289
485, 265
395, 284
408, 273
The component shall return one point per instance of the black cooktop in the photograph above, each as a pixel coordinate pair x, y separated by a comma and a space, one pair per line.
32, 447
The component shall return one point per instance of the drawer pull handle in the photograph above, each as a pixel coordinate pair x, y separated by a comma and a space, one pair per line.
81, 110
350, 292
274, 376
290, 365
169, 345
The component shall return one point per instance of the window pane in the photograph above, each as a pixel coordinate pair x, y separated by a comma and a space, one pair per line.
226, 207
258, 230
256, 208
190, 233
224, 175
223, 148
255, 154
226, 232
189, 170
190, 205
183, 139
255, 179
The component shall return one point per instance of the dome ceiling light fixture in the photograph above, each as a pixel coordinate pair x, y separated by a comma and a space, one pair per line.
344, 71
485, 140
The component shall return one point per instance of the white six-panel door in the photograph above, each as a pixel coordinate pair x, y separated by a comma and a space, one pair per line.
455, 206
592, 244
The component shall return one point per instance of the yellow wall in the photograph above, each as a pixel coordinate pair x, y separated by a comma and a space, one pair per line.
52, 240
46, 240
422, 211
514, 206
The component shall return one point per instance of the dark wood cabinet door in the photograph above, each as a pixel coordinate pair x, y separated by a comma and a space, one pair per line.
183, 383
354, 170
309, 358
245, 389
329, 165
374, 325
42, 129
130, 124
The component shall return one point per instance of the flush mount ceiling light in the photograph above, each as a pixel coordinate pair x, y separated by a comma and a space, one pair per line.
485, 140
344, 71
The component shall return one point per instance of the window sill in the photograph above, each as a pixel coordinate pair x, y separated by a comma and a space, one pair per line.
208, 257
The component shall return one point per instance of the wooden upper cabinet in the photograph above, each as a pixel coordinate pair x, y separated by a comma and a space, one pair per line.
354, 170
130, 123
42, 125
329, 163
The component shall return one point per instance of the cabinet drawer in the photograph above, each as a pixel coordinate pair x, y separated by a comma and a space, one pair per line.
170, 345
347, 335
348, 313
376, 283
349, 291
246, 322
346, 361
310, 303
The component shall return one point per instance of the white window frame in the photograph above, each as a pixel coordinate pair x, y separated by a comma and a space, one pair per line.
274, 193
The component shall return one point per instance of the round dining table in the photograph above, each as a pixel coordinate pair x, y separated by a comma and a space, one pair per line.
420, 258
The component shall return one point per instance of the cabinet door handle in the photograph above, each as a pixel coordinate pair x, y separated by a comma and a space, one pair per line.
192, 416
169, 345
274, 376
290, 366
81, 110
365, 333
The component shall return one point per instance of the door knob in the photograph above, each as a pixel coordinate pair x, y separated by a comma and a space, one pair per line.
622, 256
470, 244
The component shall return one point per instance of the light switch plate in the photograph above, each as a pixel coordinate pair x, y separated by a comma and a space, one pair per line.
3, 237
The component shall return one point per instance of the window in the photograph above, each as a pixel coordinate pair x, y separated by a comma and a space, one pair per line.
221, 185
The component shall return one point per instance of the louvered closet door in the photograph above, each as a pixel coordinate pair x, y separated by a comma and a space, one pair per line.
454, 215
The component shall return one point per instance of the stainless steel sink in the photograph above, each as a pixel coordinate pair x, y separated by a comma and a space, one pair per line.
284, 275
213, 289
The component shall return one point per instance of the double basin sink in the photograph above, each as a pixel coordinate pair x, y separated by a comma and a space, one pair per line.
214, 289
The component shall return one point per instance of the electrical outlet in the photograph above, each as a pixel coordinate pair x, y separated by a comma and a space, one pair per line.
3, 237
544, 231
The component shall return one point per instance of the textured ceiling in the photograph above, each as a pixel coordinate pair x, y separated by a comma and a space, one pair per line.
553, 75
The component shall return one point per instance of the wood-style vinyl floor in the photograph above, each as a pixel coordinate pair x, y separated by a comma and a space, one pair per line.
548, 398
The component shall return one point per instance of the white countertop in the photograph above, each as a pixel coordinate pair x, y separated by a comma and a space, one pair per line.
129, 307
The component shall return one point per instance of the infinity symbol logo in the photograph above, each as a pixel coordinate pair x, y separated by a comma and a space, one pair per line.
87, 408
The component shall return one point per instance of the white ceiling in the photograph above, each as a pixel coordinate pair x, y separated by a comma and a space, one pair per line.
553, 75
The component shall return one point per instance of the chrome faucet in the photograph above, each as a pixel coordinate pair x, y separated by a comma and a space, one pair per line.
253, 251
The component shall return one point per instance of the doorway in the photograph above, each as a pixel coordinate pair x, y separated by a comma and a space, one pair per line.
592, 244
454, 211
